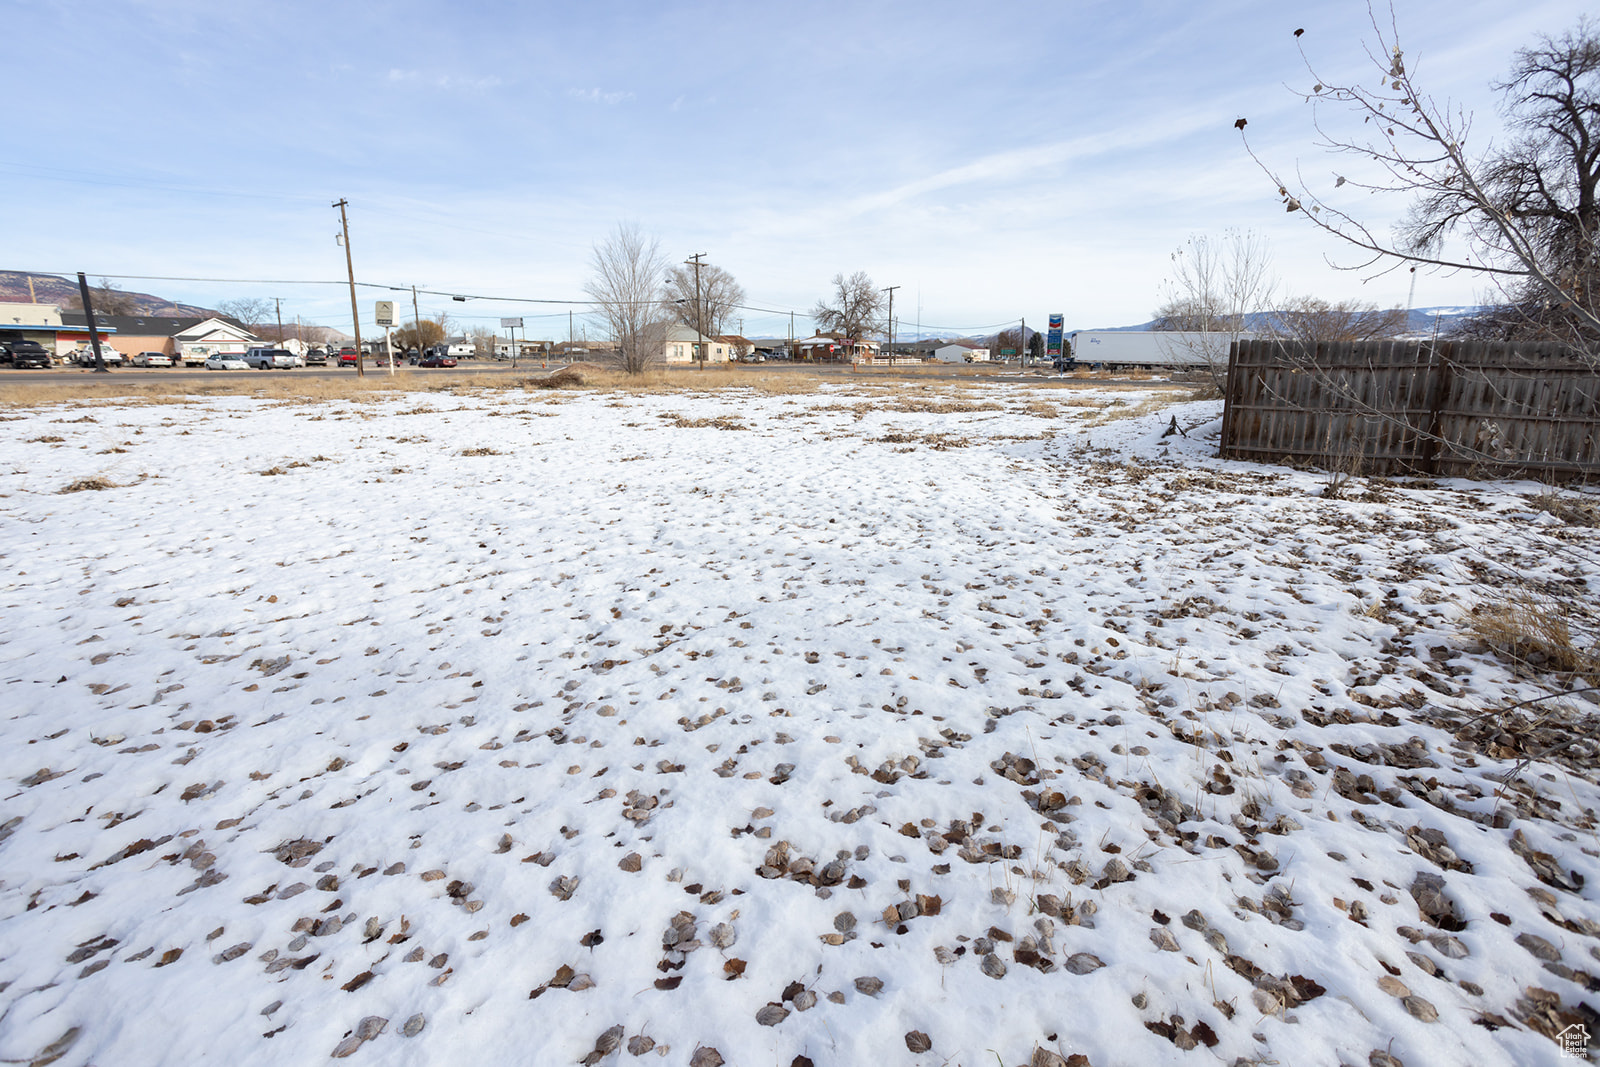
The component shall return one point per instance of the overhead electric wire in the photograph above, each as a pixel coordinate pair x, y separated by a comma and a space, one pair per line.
454, 295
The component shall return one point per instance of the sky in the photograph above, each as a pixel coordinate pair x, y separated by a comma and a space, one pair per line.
995, 161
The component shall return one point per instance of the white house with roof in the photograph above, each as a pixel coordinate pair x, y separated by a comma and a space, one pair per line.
961, 352
212, 337
682, 344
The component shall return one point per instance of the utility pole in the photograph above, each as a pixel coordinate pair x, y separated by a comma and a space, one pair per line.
791, 336
890, 290
416, 325
355, 313
277, 302
699, 309
1022, 341
94, 333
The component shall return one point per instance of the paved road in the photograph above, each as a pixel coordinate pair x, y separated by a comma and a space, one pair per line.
930, 372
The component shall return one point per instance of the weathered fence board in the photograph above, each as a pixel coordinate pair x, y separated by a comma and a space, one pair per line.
1471, 408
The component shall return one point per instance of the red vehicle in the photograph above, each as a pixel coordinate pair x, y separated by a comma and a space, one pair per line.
437, 361
348, 357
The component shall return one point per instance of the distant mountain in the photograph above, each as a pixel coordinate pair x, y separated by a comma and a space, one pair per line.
54, 289
1423, 322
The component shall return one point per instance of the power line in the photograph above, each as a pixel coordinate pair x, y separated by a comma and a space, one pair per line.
781, 312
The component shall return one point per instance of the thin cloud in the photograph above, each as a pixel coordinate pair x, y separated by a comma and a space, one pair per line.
596, 96
445, 81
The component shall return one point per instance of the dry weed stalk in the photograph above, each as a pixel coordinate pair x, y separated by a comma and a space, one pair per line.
1537, 632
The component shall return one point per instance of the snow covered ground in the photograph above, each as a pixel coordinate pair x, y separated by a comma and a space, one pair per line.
866, 726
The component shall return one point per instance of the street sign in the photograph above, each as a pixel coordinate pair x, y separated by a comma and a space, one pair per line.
507, 324
1053, 346
384, 312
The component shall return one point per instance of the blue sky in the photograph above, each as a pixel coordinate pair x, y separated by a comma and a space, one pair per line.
994, 160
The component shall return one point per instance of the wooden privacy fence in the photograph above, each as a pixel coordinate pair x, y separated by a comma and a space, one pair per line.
1471, 408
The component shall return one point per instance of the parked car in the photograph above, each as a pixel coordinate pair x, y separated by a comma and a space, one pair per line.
24, 353
316, 357
437, 360
270, 358
226, 361
348, 357
152, 359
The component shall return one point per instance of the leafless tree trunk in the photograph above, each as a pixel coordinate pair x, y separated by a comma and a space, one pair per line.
1219, 289
626, 287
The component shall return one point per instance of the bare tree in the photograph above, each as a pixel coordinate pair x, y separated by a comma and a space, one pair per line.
720, 295
421, 335
625, 285
483, 340
1219, 290
1526, 210
108, 298
247, 311
855, 310
1311, 320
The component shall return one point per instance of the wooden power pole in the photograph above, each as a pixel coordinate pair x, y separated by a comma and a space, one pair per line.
355, 312
699, 310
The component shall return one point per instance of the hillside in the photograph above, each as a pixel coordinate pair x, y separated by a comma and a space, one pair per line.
54, 289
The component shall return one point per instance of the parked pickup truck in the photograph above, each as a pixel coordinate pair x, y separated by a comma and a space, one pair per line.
271, 359
84, 357
24, 353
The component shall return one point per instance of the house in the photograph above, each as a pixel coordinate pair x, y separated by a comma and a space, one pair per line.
683, 344
833, 348
189, 339
961, 352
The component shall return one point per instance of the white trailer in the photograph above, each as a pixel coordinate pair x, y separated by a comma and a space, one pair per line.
1151, 349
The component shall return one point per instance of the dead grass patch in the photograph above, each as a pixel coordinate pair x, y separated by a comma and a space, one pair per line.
1540, 634
938, 442
1120, 409
85, 484
718, 422
1574, 509
481, 450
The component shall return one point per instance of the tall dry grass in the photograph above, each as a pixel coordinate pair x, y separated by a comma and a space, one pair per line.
140, 388
1541, 634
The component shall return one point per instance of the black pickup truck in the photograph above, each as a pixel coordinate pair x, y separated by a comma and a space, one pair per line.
24, 353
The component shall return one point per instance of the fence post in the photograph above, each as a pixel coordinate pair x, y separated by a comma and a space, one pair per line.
1227, 397
1439, 381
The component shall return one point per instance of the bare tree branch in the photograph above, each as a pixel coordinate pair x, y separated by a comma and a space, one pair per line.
1527, 211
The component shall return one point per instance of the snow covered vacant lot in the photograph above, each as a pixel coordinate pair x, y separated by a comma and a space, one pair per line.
880, 726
